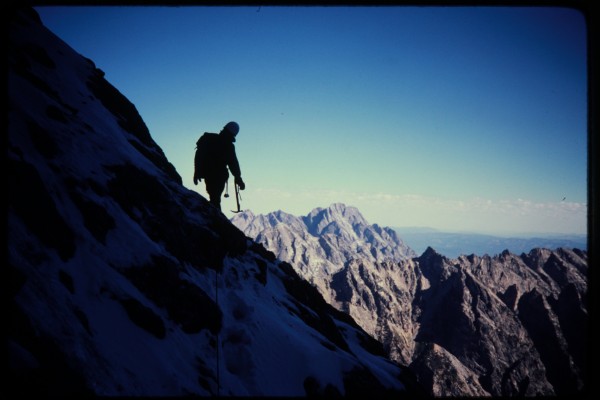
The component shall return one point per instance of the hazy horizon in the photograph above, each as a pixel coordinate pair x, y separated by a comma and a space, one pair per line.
516, 235
431, 229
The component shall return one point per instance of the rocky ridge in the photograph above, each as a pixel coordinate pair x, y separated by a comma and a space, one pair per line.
507, 325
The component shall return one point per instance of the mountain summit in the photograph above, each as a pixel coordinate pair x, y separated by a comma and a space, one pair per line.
324, 241
122, 282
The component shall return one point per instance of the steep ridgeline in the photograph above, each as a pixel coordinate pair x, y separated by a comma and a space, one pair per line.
506, 325
122, 282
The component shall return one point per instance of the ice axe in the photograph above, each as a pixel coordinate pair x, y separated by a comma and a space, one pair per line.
237, 199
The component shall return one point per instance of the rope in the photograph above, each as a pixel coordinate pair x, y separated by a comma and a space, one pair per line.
218, 342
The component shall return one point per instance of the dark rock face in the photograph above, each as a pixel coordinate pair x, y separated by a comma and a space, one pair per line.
508, 325
121, 282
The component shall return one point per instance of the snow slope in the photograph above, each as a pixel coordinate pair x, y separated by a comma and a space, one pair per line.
122, 282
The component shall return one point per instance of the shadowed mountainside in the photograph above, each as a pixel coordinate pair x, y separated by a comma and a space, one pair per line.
122, 282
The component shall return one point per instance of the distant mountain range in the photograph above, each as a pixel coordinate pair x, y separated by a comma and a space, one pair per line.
501, 325
454, 244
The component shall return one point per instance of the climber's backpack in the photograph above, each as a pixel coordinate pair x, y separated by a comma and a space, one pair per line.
206, 149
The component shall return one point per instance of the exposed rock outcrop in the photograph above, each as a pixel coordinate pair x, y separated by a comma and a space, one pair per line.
508, 325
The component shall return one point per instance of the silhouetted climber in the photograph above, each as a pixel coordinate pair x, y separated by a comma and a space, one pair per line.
214, 154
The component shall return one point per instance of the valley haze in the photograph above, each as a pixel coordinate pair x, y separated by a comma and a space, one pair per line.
453, 244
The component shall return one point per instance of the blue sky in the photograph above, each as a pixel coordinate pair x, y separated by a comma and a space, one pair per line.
457, 118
